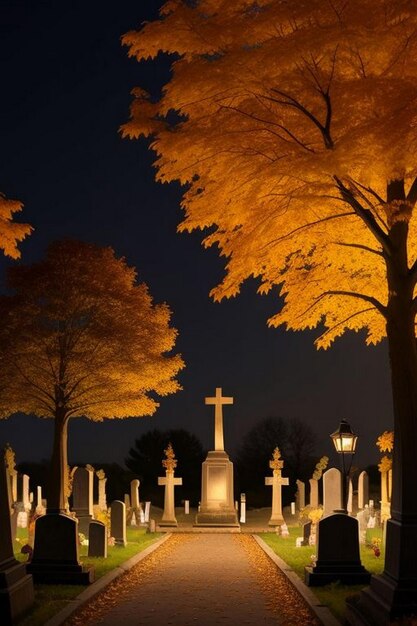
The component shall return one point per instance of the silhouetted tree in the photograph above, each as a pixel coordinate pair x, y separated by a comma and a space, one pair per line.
296, 441
145, 461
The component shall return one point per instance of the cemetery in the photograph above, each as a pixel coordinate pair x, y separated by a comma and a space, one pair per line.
332, 532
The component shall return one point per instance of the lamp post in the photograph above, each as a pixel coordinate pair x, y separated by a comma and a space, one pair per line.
344, 441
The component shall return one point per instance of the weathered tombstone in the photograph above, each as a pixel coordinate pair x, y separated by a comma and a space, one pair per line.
16, 587
25, 493
186, 507
40, 509
332, 491
338, 555
363, 490
362, 518
135, 513
276, 481
102, 498
127, 501
306, 533
170, 463
314, 493
97, 539
147, 511
118, 522
82, 496
349, 505
243, 508
300, 496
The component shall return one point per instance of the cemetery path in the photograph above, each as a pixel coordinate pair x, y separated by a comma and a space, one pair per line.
200, 579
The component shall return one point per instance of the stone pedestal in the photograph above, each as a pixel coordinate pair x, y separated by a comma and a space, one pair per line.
55, 553
338, 555
217, 501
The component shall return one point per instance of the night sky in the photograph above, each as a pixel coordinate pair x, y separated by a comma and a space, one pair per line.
65, 85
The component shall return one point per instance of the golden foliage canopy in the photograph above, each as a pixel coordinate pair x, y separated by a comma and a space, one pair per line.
385, 442
11, 233
80, 336
293, 127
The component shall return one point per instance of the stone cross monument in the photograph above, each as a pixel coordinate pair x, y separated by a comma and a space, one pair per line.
217, 506
169, 482
276, 481
218, 402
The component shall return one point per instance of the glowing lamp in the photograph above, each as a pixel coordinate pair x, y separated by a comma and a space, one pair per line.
344, 440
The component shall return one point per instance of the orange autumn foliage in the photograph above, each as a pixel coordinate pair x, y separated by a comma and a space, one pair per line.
11, 233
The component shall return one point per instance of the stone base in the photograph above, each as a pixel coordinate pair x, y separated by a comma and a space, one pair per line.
217, 502
16, 591
167, 523
61, 573
277, 521
347, 575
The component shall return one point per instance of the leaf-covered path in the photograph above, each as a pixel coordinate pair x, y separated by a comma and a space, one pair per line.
200, 579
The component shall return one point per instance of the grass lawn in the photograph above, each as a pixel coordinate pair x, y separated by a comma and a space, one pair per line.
49, 599
335, 594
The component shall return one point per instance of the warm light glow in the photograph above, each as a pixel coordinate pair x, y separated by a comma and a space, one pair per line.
344, 439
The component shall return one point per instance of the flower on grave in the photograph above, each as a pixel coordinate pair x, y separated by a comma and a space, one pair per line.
111, 541
27, 549
376, 542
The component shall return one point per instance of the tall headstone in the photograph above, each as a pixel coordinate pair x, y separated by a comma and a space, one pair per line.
97, 539
135, 513
10, 459
170, 482
147, 511
16, 587
40, 509
349, 505
217, 500
25, 493
276, 481
102, 498
118, 522
300, 496
332, 491
314, 493
82, 496
127, 501
363, 490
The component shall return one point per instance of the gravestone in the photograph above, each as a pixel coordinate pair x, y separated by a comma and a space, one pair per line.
349, 505
135, 513
170, 463
118, 522
338, 555
16, 587
97, 539
300, 496
314, 493
276, 482
82, 497
186, 507
217, 499
306, 534
362, 518
102, 497
147, 511
40, 509
363, 490
332, 491
10, 460
243, 508
25, 493
127, 501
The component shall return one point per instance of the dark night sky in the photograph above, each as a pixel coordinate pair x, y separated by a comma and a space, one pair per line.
65, 83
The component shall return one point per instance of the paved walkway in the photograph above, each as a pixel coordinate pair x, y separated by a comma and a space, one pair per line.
204, 580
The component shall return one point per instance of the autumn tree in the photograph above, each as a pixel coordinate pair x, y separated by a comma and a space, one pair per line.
11, 233
293, 128
81, 337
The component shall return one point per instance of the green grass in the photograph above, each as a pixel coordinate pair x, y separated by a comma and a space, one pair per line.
335, 594
50, 599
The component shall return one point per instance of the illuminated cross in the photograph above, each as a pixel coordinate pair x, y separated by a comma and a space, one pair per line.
276, 481
218, 402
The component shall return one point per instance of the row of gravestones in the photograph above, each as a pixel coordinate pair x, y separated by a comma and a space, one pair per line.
332, 492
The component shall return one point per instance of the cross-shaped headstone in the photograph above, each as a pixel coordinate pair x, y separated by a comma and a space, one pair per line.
276, 481
169, 482
218, 400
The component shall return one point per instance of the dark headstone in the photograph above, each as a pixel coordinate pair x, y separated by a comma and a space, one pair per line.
97, 539
338, 555
118, 522
306, 534
55, 553
16, 587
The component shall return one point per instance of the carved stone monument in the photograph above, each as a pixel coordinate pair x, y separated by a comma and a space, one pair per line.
169, 482
217, 500
276, 481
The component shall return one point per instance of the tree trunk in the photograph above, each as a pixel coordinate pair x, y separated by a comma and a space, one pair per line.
394, 593
59, 466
